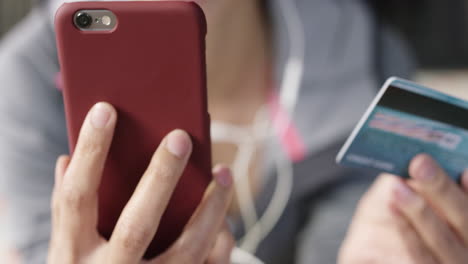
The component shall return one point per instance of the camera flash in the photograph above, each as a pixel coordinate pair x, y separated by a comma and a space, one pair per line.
106, 20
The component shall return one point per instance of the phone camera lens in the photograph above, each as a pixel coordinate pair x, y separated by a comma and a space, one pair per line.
83, 20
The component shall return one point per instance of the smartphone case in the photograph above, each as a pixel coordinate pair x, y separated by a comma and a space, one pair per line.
152, 69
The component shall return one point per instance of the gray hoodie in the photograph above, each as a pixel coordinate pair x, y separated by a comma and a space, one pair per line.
338, 84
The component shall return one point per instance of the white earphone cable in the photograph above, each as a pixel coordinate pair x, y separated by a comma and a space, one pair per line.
290, 88
294, 69
247, 138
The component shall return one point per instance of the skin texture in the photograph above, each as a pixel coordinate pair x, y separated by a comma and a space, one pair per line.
74, 204
238, 70
423, 220
415, 221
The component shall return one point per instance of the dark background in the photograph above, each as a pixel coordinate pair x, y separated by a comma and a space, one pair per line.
437, 30
11, 11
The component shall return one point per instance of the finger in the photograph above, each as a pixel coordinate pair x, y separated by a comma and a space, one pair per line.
377, 217
414, 244
221, 252
91, 150
139, 220
207, 220
378, 196
442, 192
10, 256
464, 181
78, 192
60, 168
436, 234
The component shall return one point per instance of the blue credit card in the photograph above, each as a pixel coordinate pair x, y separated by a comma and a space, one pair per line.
404, 120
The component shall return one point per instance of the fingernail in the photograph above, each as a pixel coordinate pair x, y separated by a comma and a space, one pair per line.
404, 193
223, 176
425, 169
178, 143
100, 115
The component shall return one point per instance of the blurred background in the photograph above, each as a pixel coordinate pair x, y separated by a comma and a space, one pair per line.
11, 11
436, 31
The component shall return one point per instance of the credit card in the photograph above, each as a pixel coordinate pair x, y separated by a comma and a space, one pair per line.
407, 119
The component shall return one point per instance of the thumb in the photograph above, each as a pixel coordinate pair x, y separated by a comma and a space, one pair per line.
377, 204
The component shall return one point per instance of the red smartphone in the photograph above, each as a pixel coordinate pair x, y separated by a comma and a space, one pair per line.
147, 59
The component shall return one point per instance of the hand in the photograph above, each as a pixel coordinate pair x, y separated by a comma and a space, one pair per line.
74, 204
420, 220
437, 208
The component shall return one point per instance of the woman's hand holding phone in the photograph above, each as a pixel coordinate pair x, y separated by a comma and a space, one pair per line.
75, 239
420, 220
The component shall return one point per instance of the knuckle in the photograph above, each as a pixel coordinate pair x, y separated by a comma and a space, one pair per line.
421, 209
163, 172
188, 252
133, 237
384, 183
89, 148
442, 185
72, 199
380, 191
191, 257
386, 179
54, 205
